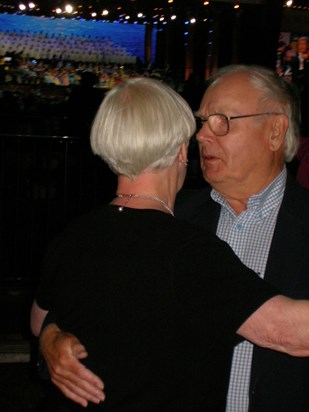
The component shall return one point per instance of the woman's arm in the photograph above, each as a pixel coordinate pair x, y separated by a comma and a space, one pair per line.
280, 324
37, 317
62, 352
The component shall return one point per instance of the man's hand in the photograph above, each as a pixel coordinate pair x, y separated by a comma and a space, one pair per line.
62, 351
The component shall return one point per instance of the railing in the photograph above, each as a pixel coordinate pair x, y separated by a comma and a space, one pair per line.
44, 182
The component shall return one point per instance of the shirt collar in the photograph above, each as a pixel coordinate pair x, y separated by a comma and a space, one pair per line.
270, 197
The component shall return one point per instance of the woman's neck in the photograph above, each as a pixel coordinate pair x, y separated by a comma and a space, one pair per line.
149, 190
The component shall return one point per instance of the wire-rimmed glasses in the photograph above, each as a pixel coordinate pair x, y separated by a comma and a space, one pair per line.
219, 123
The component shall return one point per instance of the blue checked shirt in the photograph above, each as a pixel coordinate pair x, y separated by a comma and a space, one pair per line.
249, 234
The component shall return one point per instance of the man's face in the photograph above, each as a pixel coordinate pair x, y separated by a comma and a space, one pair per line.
302, 45
242, 157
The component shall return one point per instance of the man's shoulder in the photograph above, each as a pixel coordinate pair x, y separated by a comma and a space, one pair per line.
192, 199
193, 196
197, 206
294, 210
296, 199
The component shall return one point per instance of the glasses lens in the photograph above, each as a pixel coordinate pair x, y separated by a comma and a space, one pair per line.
219, 124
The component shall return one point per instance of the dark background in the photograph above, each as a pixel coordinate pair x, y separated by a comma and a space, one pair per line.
46, 179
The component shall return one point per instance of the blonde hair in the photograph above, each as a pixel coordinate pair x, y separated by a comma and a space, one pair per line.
140, 126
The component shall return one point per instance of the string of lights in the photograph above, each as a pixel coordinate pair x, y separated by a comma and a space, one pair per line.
157, 12
130, 11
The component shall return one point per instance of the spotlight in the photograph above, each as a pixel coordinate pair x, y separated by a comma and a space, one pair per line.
68, 8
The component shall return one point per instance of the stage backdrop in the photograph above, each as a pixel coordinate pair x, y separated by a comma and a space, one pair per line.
130, 36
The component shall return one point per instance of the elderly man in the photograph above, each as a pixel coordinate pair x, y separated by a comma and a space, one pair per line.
249, 129
260, 211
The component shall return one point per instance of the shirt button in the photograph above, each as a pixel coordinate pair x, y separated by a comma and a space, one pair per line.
239, 226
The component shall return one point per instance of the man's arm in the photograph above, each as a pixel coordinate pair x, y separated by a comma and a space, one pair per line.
281, 324
62, 352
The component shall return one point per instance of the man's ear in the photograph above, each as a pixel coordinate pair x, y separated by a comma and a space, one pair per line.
278, 132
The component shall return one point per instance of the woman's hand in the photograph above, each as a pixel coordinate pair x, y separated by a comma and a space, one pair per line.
62, 352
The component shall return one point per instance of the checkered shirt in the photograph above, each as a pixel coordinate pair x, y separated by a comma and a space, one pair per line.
249, 234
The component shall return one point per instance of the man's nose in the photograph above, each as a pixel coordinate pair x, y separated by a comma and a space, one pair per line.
205, 133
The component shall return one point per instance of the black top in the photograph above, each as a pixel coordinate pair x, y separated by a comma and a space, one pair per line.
156, 302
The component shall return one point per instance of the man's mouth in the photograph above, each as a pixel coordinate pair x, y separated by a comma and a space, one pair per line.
209, 156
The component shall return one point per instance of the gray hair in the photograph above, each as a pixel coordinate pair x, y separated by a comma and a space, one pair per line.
140, 127
277, 94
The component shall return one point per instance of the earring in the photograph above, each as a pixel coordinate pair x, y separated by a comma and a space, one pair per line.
184, 163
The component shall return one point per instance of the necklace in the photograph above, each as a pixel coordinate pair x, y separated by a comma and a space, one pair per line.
148, 197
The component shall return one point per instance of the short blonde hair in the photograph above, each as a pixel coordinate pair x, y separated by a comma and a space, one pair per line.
140, 127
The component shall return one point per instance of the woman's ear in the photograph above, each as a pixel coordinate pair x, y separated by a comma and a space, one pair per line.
183, 153
278, 132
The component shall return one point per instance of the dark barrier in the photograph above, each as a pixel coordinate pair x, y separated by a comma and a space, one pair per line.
44, 182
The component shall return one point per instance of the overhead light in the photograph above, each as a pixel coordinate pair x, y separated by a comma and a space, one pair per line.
68, 8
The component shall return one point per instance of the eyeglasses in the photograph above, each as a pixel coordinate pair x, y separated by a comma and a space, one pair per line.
219, 123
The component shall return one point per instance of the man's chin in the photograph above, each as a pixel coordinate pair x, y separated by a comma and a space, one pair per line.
212, 175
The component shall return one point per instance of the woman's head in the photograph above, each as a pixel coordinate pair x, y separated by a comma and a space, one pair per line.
140, 127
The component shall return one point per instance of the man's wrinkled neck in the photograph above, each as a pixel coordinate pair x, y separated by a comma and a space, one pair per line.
238, 194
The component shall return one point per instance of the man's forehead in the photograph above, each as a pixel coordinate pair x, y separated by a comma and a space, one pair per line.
231, 90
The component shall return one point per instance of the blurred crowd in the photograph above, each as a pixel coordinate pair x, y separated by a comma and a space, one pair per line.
65, 47
293, 60
58, 59
20, 70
